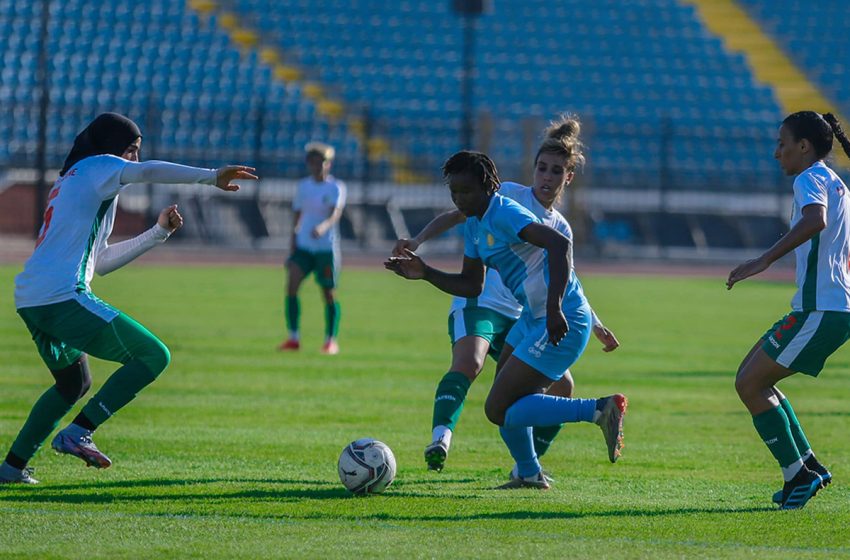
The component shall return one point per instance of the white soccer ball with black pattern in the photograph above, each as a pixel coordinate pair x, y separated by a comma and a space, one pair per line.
366, 466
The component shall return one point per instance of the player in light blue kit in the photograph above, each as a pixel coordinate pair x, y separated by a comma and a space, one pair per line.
479, 326
534, 261
819, 322
52, 294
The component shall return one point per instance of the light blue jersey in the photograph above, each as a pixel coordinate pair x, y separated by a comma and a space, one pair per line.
523, 267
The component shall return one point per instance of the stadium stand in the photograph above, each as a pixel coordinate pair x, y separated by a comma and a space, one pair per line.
814, 35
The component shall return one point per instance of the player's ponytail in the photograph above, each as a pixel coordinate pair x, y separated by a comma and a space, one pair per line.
561, 137
838, 132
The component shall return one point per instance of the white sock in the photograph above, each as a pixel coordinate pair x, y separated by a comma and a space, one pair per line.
293, 335
443, 433
791, 470
806, 455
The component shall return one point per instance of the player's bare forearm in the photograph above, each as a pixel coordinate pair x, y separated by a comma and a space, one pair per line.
453, 283
812, 222
559, 250
438, 225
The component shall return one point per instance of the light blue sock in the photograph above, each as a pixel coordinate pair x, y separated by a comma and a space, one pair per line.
521, 446
546, 410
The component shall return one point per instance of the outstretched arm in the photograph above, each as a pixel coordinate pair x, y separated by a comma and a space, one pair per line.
113, 257
559, 250
468, 283
812, 222
174, 173
435, 227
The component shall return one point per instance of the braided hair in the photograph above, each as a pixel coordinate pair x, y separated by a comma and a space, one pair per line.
839, 133
811, 126
476, 164
561, 137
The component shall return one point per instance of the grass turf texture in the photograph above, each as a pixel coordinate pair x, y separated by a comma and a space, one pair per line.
232, 452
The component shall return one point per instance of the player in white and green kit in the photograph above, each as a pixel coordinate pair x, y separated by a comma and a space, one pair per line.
318, 204
819, 322
52, 294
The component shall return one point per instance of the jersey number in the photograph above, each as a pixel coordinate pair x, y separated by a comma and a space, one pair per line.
48, 215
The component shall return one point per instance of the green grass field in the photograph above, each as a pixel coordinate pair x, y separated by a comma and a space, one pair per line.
232, 452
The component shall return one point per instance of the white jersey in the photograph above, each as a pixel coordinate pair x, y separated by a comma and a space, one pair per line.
78, 220
823, 278
316, 200
496, 295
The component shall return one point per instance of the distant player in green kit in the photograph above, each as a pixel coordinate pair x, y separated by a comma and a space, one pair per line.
318, 206
819, 322
66, 320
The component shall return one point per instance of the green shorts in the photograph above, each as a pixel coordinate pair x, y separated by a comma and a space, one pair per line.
64, 331
803, 340
483, 323
324, 264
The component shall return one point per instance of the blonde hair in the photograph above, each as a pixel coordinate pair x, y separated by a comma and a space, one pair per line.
561, 137
325, 150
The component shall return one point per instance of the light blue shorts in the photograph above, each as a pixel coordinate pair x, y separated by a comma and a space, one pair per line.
530, 341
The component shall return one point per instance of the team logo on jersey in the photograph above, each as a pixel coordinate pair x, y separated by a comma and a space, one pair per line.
490, 240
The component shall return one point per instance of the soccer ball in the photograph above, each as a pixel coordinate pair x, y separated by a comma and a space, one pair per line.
366, 466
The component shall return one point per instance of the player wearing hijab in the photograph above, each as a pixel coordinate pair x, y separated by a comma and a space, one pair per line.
66, 320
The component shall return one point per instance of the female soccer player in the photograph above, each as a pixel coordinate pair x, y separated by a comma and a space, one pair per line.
479, 326
66, 320
819, 322
535, 263
318, 207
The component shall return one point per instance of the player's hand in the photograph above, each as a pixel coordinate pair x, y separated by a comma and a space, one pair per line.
556, 326
749, 268
170, 219
318, 231
229, 173
408, 266
606, 337
402, 244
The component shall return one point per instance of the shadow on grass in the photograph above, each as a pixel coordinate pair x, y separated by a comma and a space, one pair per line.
109, 492
182, 490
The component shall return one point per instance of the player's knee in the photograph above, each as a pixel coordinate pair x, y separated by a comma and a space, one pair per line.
74, 381
494, 411
156, 357
744, 387
470, 366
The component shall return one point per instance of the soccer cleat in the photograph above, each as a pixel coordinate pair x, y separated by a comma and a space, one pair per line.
815, 466
612, 409
80, 446
11, 475
799, 489
289, 344
330, 348
537, 481
546, 475
435, 455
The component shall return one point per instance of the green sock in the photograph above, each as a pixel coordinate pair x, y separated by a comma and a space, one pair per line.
293, 313
43, 419
543, 437
449, 399
774, 429
332, 319
121, 388
796, 430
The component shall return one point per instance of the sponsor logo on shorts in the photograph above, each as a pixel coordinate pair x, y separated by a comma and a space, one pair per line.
772, 341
